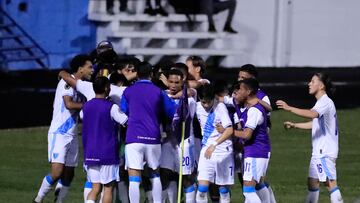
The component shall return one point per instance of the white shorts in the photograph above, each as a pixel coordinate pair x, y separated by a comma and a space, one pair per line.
170, 157
103, 174
219, 169
63, 149
322, 168
136, 154
254, 168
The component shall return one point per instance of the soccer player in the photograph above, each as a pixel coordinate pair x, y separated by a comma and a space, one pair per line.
145, 104
216, 163
62, 139
255, 136
196, 71
170, 149
325, 137
100, 141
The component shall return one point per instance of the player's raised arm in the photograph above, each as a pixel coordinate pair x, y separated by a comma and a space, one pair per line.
68, 78
306, 113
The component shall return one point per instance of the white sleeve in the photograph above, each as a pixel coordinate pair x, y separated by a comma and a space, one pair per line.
117, 115
85, 88
223, 115
266, 99
228, 100
321, 107
66, 90
254, 118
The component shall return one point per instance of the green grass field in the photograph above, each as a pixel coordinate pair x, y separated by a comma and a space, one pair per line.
23, 162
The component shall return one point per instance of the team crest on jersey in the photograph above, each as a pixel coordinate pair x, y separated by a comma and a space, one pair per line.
67, 86
55, 155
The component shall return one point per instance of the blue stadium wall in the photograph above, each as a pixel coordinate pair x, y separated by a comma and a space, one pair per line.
60, 27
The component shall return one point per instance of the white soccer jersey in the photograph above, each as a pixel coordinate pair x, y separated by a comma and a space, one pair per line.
86, 88
64, 120
325, 133
208, 121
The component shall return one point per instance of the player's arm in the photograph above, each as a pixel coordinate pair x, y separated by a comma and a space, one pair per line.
68, 78
265, 105
306, 113
70, 104
304, 126
117, 115
224, 136
244, 134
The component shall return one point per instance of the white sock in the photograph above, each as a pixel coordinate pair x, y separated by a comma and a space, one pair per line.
271, 193
190, 194
87, 189
156, 189
313, 196
89, 201
224, 194
201, 195
172, 192
263, 193
62, 194
250, 195
123, 194
44, 188
335, 196
149, 197
134, 189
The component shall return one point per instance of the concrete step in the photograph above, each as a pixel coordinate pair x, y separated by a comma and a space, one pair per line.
171, 35
182, 51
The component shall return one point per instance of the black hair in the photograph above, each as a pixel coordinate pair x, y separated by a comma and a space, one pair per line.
326, 80
220, 87
115, 78
249, 68
100, 84
206, 92
251, 84
197, 61
78, 61
144, 70
175, 72
182, 67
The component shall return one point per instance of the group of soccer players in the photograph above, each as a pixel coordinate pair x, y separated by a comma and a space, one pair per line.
130, 134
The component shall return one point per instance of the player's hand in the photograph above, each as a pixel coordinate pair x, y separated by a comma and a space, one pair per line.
163, 79
282, 105
209, 151
288, 125
220, 128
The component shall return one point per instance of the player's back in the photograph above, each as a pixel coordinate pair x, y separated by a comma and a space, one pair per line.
143, 104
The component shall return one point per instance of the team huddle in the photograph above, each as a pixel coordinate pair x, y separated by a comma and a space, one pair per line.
131, 134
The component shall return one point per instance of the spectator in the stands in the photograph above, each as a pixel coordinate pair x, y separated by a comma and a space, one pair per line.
123, 7
158, 8
211, 7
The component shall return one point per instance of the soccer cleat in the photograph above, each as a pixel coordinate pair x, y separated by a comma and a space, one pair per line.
212, 28
230, 30
150, 11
